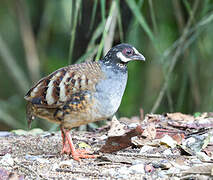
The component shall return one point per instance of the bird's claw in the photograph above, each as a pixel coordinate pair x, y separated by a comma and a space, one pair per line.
78, 153
82, 154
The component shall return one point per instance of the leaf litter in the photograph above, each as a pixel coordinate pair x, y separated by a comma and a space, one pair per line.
169, 146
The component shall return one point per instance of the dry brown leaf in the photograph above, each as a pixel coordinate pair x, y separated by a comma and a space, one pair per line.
117, 143
178, 137
150, 131
139, 141
116, 129
180, 117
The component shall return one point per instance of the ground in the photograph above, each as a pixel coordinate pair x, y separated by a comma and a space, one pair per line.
38, 157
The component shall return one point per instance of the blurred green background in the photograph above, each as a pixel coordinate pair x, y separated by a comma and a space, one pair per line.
176, 37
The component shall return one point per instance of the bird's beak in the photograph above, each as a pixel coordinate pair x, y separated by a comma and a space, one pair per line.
138, 56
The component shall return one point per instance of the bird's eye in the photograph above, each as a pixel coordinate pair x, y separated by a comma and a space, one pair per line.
128, 52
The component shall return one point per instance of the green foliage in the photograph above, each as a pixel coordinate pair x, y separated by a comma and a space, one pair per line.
38, 37
197, 114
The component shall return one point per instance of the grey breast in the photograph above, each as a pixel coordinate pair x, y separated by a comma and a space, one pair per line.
109, 91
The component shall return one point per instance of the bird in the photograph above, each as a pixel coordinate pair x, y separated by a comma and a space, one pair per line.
82, 93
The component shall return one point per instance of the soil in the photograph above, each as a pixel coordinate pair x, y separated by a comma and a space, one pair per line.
38, 157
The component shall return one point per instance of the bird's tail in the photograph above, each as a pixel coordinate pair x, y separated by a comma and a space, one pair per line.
29, 113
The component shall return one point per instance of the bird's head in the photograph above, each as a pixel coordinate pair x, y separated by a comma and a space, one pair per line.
122, 54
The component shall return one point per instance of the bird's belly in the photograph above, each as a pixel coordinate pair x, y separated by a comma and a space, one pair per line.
109, 105
91, 114
110, 98
96, 111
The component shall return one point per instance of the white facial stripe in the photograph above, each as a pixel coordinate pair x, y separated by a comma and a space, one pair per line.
122, 57
136, 51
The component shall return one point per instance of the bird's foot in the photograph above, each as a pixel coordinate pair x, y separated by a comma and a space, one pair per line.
77, 154
66, 149
82, 154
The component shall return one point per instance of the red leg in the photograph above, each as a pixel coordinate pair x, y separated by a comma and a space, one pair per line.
68, 147
65, 148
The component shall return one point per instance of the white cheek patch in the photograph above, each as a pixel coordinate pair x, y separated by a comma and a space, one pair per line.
122, 57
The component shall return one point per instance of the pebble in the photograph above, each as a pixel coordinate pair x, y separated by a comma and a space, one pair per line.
66, 164
149, 168
167, 152
138, 168
145, 149
137, 162
43, 161
162, 175
7, 160
5, 133
173, 170
31, 157
110, 172
124, 171
36, 158
55, 166
165, 164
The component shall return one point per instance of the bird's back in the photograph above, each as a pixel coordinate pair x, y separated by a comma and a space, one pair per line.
65, 91
56, 88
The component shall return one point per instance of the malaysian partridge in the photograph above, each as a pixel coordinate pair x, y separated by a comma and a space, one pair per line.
82, 93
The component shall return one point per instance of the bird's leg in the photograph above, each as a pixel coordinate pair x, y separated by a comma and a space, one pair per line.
68, 147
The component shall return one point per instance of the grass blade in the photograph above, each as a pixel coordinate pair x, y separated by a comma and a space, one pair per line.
138, 15
121, 33
14, 70
93, 14
106, 29
152, 11
73, 30
103, 12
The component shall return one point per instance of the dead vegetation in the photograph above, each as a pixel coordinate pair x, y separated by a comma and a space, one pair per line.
170, 146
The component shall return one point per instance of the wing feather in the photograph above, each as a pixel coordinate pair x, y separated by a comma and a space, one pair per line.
57, 88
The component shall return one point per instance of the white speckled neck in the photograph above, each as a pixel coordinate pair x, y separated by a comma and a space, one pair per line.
110, 90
